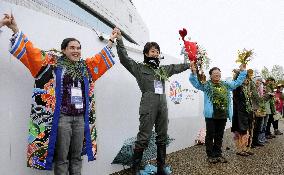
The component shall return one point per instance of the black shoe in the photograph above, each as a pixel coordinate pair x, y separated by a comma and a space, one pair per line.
222, 159
277, 132
212, 160
258, 144
249, 153
244, 154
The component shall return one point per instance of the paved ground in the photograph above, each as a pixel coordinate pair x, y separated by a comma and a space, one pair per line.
268, 160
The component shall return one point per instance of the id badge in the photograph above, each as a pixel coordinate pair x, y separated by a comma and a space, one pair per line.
76, 97
158, 85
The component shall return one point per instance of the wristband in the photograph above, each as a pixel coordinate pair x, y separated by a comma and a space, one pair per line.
111, 40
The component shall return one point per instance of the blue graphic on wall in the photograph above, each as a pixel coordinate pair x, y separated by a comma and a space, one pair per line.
177, 93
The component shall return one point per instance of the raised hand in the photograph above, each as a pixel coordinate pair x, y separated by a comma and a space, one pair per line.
5, 20
119, 36
243, 67
114, 34
112, 37
10, 22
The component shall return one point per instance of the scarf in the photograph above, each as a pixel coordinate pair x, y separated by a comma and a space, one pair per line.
152, 62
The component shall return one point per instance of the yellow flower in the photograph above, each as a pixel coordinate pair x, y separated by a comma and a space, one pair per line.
244, 56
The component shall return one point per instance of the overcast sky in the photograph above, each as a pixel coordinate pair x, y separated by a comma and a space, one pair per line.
221, 27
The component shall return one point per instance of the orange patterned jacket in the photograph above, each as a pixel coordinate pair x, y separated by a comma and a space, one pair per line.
47, 96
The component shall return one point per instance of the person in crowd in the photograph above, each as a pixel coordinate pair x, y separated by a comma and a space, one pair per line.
245, 102
59, 120
217, 108
260, 113
151, 77
270, 109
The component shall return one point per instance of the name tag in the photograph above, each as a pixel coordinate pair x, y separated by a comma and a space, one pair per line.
76, 97
158, 85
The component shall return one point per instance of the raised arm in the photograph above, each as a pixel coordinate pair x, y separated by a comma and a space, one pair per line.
193, 78
239, 81
175, 68
125, 60
102, 61
22, 48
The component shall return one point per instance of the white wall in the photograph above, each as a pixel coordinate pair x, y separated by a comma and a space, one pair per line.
118, 11
117, 97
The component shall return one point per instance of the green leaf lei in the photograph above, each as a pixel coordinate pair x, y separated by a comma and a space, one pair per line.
160, 73
76, 69
246, 91
218, 94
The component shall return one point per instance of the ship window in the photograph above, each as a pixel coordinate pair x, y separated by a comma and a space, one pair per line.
80, 16
77, 12
130, 18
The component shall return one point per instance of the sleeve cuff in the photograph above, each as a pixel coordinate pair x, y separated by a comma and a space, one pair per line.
109, 55
13, 38
119, 42
244, 72
15, 41
110, 51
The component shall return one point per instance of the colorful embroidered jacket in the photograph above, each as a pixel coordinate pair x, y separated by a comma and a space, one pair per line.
47, 96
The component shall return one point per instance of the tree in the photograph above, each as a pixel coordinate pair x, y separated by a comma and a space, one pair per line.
277, 72
265, 73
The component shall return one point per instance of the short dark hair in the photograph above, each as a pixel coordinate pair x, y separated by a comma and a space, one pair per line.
149, 45
66, 41
212, 69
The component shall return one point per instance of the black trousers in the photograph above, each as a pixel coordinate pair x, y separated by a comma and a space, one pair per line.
271, 121
214, 136
257, 129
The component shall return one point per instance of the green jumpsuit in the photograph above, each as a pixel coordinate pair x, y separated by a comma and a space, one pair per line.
153, 105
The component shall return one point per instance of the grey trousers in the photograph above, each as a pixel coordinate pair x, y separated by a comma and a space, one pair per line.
69, 143
155, 113
264, 124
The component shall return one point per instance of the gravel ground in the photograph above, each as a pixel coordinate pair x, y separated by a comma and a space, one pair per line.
268, 160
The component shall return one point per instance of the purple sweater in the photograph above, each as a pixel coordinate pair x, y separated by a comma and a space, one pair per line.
66, 107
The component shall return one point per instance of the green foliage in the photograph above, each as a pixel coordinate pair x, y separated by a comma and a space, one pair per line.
218, 94
76, 69
277, 72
